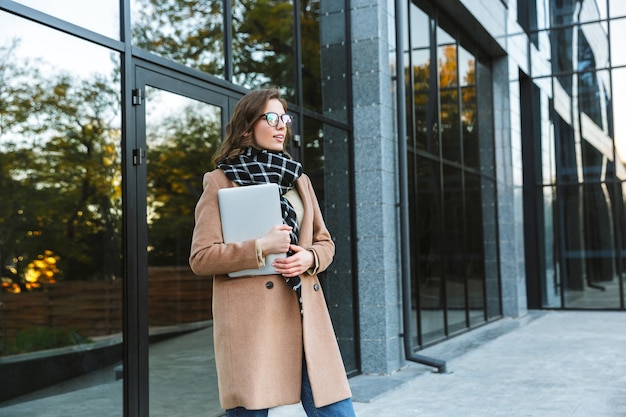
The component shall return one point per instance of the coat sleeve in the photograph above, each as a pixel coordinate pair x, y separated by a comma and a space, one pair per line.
322, 243
209, 254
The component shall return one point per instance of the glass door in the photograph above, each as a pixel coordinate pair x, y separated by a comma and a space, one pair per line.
179, 126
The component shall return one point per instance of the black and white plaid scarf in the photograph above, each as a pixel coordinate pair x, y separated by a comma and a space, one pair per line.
256, 166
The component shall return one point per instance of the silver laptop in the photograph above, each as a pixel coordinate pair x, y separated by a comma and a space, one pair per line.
249, 212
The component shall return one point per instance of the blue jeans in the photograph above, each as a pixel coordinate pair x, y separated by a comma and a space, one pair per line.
339, 409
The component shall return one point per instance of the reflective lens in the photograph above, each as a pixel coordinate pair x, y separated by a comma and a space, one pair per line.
272, 118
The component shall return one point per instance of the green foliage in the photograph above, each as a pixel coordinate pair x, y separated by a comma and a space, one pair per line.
190, 32
61, 170
184, 147
60, 139
263, 45
36, 339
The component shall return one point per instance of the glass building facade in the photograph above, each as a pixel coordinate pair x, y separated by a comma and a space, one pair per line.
572, 148
467, 157
451, 176
110, 115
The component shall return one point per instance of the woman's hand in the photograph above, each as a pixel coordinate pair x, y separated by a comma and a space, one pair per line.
297, 264
277, 240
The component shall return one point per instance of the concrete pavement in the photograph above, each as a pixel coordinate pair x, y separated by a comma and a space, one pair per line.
546, 364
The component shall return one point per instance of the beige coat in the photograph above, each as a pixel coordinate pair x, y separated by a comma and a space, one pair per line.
258, 330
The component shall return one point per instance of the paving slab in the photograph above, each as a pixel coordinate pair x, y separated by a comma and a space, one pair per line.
546, 364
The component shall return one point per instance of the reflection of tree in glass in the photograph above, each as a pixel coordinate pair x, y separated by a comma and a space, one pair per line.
263, 44
190, 32
41, 271
311, 55
183, 146
447, 67
59, 156
468, 97
448, 77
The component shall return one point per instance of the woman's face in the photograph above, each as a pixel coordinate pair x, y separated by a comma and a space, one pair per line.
266, 136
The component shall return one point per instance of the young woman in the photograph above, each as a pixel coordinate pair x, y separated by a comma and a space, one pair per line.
274, 340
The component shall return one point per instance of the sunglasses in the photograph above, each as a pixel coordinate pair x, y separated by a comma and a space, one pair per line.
272, 119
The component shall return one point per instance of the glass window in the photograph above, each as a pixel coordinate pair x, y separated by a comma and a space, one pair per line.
190, 32
467, 70
565, 147
619, 126
263, 45
620, 200
562, 41
541, 65
548, 170
578, 222
543, 14
447, 59
456, 283
568, 12
592, 10
590, 279
593, 47
617, 8
551, 278
424, 116
469, 118
423, 87
449, 126
618, 34
427, 242
469, 127
527, 17
448, 96
420, 28
420, 49
594, 100
102, 16
421, 70
60, 221
593, 163
475, 246
182, 135
454, 250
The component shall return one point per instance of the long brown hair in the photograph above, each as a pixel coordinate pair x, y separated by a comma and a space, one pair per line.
239, 132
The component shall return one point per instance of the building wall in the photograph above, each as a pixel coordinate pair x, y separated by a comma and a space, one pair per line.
501, 24
376, 174
514, 59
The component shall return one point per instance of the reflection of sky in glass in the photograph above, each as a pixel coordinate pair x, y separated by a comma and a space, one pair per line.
466, 64
618, 47
54, 54
100, 16
443, 37
58, 50
618, 57
162, 105
619, 104
617, 8
420, 37
80, 58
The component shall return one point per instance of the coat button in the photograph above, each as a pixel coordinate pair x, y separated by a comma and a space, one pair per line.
316, 287
269, 285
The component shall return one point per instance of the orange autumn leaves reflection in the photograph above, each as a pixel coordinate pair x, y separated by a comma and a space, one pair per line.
38, 272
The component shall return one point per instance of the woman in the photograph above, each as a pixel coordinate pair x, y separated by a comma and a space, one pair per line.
274, 341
